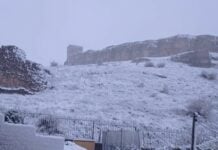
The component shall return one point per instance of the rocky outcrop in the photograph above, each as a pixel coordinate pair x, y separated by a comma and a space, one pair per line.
194, 58
18, 75
150, 48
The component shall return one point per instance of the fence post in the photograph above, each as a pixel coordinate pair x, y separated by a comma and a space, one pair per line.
121, 141
99, 136
139, 144
193, 132
93, 130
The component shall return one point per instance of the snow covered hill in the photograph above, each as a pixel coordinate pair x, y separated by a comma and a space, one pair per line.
124, 92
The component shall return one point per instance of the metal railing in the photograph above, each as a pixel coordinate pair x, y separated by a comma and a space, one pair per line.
150, 138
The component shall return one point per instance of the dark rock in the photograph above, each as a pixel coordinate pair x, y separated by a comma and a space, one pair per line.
160, 76
15, 91
18, 75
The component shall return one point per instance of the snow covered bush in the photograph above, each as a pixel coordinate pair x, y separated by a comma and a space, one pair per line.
53, 64
99, 63
48, 125
214, 57
149, 64
208, 76
161, 65
202, 107
141, 85
140, 60
14, 116
165, 89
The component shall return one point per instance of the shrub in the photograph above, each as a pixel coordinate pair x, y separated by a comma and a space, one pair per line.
201, 107
140, 60
208, 76
47, 71
14, 116
99, 63
54, 64
48, 125
161, 65
149, 64
165, 89
214, 58
141, 85
153, 95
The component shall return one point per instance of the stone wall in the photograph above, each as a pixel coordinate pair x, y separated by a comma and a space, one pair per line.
194, 58
150, 48
23, 137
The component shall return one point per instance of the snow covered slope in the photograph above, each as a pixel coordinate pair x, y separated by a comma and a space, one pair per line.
123, 92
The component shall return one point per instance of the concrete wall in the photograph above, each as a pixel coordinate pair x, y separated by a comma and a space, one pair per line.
23, 137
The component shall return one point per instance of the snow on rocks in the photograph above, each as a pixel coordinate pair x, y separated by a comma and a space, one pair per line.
13, 52
18, 73
186, 36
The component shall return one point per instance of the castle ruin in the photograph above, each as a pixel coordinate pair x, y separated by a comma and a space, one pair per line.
201, 45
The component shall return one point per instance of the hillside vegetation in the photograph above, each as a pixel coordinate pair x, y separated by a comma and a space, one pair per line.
123, 92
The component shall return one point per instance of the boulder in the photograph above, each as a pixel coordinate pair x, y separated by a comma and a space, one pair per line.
19, 75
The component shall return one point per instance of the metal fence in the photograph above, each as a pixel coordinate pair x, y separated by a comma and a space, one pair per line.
70, 128
146, 137
122, 139
207, 136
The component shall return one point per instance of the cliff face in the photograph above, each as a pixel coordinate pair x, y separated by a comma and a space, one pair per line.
18, 75
194, 58
150, 48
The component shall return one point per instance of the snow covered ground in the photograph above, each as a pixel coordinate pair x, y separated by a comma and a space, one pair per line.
123, 92
72, 146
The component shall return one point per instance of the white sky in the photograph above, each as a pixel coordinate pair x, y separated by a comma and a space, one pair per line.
44, 28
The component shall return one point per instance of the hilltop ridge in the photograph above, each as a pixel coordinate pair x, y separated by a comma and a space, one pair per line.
148, 48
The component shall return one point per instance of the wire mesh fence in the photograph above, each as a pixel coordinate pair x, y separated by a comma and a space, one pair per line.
148, 137
166, 139
207, 136
70, 128
121, 139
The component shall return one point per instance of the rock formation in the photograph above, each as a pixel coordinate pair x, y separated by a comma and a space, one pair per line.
194, 58
18, 75
150, 48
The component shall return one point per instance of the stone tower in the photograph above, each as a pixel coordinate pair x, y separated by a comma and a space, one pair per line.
73, 53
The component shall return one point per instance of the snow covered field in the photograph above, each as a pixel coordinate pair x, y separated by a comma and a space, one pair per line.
123, 92
72, 146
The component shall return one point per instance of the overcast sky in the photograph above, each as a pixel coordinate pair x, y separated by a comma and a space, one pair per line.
44, 28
